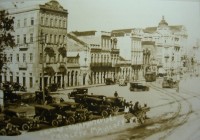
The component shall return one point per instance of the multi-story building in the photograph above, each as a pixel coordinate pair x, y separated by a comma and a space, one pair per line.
129, 42
104, 55
40, 32
137, 54
169, 44
78, 61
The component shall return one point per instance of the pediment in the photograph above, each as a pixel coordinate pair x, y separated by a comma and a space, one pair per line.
54, 5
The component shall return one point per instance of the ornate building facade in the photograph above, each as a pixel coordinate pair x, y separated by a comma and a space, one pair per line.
168, 44
40, 32
104, 55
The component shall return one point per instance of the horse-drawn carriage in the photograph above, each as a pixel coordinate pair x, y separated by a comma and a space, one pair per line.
139, 115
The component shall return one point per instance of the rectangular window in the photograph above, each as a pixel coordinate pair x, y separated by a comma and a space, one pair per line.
31, 57
51, 22
24, 57
63, 39
32, 21
31, 38
59, 39
17, 57
18, 23
17, 79
46, 22
46, 38
11, 79
63, 24
31, 82
59, 23
11, 57
55, 23
40, 57
24, 38
24, 81
25, 22
50, 39
55, 39
5, 58
42, 21
18, 39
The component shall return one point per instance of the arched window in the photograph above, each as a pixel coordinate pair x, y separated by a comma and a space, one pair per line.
92, 58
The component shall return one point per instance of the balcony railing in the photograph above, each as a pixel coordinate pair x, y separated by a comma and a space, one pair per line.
23, 47
96, 64
23, 65
166, 55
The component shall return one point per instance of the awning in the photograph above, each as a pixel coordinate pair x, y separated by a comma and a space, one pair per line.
49, 51
62, 69
49, 70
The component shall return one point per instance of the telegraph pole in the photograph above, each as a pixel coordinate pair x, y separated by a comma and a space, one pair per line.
43, 41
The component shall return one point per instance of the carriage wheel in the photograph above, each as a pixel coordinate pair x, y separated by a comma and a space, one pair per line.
54, 123
104, 113
71, 120
116, 109
25, 127
3, 132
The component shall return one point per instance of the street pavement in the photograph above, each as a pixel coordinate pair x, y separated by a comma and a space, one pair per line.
173, 115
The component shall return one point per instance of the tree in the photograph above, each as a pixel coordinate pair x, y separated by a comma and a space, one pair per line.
6, 37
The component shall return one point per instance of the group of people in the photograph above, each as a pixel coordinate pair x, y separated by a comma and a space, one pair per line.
134, 109
129, 107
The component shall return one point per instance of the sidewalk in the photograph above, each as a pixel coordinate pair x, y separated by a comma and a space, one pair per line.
84, 86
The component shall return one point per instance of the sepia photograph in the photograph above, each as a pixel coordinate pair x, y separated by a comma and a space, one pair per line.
99, 69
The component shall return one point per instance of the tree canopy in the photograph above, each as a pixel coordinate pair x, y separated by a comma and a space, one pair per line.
6, 37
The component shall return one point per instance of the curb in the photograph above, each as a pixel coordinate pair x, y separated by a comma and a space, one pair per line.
71, 88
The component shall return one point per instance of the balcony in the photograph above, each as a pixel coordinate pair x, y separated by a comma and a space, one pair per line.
166, 55
115, 51
73, 65
23, 47
106, 64
23, 66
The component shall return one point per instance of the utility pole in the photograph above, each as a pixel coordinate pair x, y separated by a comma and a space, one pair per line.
43, 39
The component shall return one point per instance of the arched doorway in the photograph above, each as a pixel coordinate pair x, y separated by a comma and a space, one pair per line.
76, 78
68, 75
72, 78
84, 78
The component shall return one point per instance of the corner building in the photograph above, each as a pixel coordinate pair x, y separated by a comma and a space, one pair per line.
38, 26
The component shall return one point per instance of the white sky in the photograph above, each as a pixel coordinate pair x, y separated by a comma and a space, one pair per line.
107, 15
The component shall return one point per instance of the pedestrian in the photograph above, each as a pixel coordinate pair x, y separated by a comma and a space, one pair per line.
130, 106
115, 94
137, 107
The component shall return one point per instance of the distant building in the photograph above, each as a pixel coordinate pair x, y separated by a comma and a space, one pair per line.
104, 55
78, 61
168, 45
37, 25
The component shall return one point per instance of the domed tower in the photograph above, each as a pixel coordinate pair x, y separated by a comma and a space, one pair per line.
163, 23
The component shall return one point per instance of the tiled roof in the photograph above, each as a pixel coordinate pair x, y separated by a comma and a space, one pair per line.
84, 33
121, 32
175, 28
150, 29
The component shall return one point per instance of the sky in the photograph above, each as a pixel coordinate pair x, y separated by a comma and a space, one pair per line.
108, 15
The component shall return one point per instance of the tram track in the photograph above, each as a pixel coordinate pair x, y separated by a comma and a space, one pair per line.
177, 119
